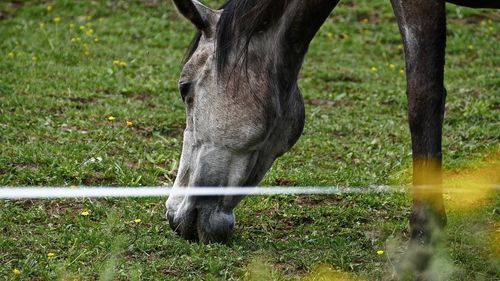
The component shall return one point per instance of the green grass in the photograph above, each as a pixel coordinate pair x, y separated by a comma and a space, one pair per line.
56, 97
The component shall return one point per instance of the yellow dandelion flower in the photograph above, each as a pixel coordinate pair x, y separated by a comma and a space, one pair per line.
401, 71
111, 118
490, 29
50, 8
34, 58
470, 47
96, 40
365, 20
399, 47
329, 35
11, 54
85, 213
75, 39
380, 252
51, 254
392, 66
119, 63
16, 271
130, 124
373, 69
89, 32
57, 20
137, 220
82, 27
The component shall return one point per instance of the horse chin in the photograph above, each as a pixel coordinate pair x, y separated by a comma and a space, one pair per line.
214, 225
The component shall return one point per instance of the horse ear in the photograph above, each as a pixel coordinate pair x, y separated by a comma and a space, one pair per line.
200, 15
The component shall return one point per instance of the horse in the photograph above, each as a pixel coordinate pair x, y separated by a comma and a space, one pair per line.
244, 108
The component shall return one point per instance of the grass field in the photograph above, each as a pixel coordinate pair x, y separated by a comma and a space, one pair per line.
88, 96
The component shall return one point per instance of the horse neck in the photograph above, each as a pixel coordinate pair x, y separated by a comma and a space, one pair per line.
294, 32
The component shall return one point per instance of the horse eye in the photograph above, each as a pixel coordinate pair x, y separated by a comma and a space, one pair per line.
184, 88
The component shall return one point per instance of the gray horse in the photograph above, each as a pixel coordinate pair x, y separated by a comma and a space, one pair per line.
242, 113
244, 108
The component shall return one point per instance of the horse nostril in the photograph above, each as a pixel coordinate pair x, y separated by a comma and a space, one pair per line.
171, 220
184, 224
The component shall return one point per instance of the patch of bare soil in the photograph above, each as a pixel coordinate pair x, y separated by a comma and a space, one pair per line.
151, 3
3, 15
84, 100
328, 103
283, 182
372, 17
173, 131
474, 19
141, 96
11, 7
97, 178
320, 102
312, 201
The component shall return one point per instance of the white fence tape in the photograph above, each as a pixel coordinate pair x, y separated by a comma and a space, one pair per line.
158, 191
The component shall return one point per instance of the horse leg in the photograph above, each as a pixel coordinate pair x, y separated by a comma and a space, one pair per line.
422, 24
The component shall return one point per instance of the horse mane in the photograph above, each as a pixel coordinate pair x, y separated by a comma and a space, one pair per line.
239, 22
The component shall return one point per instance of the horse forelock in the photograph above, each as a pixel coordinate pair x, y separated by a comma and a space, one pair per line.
239, 22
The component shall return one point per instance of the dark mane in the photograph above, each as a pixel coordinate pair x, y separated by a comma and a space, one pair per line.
239, 22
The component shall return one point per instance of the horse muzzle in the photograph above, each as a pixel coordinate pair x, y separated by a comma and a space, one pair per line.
201, 219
